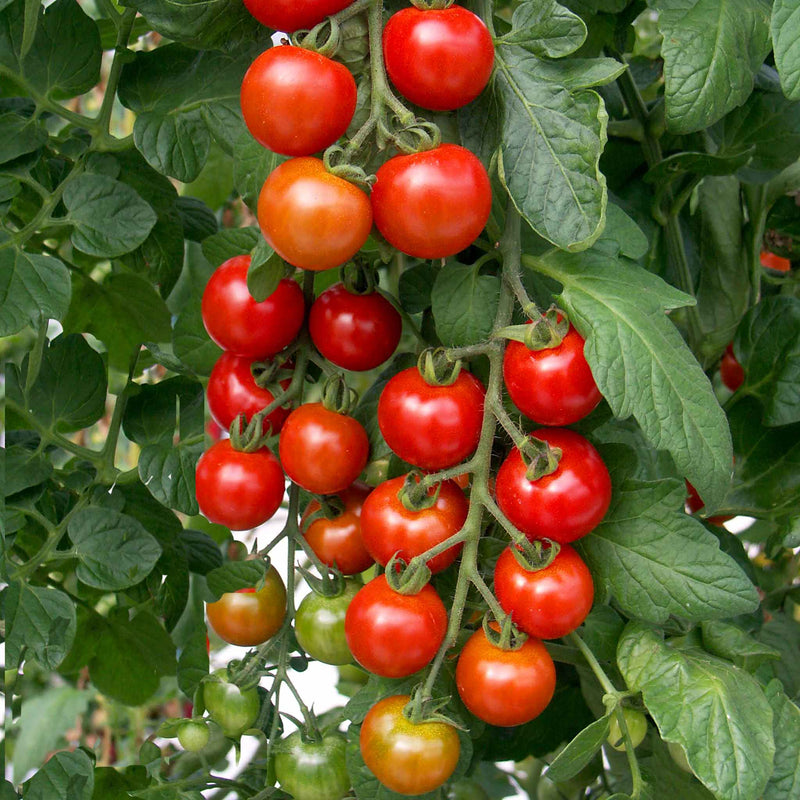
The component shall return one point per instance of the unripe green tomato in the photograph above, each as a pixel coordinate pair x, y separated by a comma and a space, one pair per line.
637, 729
319, 625
313, 770
231, 708
679, 757
193, 735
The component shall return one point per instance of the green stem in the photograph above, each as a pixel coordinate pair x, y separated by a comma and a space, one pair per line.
109, 451
35, 358
756, 199
103, 121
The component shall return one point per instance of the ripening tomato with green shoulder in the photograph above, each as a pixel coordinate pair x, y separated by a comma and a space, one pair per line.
319, 625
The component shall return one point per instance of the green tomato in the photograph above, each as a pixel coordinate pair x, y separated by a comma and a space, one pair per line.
319, 625
231, 708
637, 729
679, 757
193, 735
313, 770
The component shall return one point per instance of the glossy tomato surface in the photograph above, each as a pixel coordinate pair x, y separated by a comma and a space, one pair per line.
391, 634
505, 687
547, 603
432, 204
440, 59
321, 450
730, 370
236, 322
248, 617
233, 709
553, 386
388, 527
694, 504
775, 262
312, 218
405, 757
293, 15
238, 490
354, 331
312, 770
432, 427
564, 505
297, 102
319, 625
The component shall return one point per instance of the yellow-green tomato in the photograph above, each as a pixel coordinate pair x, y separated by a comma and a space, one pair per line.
313, 770
231, 708
193, 735
637, 729
319, 625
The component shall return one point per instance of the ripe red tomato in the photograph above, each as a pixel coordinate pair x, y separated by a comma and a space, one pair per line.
440, 59
354, 331
550, 602
730, 370
432, 427
553, 386
297, 102
321, 450
388, 527
432, 204
505, 687
777, 263
289, 16
248, 617
312, 218
564, 505
337, 542
405, 757
236, 489
695, 503
236, 322
391, 634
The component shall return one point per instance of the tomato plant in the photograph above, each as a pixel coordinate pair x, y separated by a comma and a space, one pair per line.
636, 723
310, 769
730, 370
319, 625
193, 735
232, 708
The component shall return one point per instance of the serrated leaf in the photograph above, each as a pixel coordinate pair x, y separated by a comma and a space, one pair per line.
726, 640
230, 242
786, 45
265, 271
546, 29
630, 239
234, 575
580, 751
24, 468
167, 470
176, 144
19, 135
66, 776
784, 783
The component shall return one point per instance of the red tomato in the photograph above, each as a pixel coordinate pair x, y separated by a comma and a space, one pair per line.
312, 218
236, 322
432, 204
440, 59
505, 687
322, 451
354, 331
547, 603
408, 758
289, 16
238, 490
248, 617
432, 427
695, 503
391, 634
553, 386
388, 527
730, 370
337, 542
777, 263
297, 102
564, 505
233, 390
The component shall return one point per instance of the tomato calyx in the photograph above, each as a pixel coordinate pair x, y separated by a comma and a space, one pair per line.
335, 161
337, 396
417, 137
540, 458
311, 39
248, 437
358, 277
437, 368
422, 707
543, 331
407, 577
432, 5
535, 555
330, 507
330, 584
503, 634
415, 494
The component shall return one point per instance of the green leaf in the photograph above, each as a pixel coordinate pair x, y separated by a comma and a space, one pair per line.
716, 712
416, 286
154, 411
703, 80
663, 779
202, 552
678, 165
175, 144
784, 783
66, 776
118, 784
230, 242
657, 561
546, 29
191, 343
786, 45
234, 575
783, 633
580, 751
464, 304
198, 219
252, 163
729, 641
641, 364
168, 472
24, 469
601, 631
114, 549
19, 135
629, 238
265, 271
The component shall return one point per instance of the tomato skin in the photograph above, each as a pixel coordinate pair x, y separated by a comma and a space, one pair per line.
231, 708
354, 331
695, 503
553, 386
564, 505
439, 59
407, 758
310, 770
637, 729
338, 542
505, 687
319, 625
388, 527
775, 262
432, 427
193, 736
394, 635
297, 102
293, 15
236, 322
312, 218
730, 370
321, 450
550, 602
432, 204
238, 490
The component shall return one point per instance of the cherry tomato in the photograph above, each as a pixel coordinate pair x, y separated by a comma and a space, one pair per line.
289, 16
312, 218
694, 503
337, 542
564, 505
232, 390
354, 331
388, 527
636, 723
236, 489
236, 322
432, 427
248, 617
312, 770
391, 634
319, 625
432, 204
297, 102
550, 602
440, 59
233, 709
505, 687
777, 263
405, 757
730, 370
553, 386
193, 735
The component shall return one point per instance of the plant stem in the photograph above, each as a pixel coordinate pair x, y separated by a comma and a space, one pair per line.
35, 358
